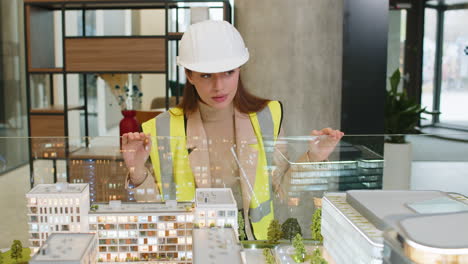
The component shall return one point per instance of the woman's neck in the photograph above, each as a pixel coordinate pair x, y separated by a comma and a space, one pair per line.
210, 114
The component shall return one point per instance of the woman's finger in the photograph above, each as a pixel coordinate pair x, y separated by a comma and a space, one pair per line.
124, 139
147, 142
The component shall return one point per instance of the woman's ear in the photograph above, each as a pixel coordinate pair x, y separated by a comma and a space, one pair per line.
188, 74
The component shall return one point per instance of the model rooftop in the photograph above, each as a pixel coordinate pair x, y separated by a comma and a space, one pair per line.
214, 197
59, 188
382, 207
219, 246
126, 208
63, 247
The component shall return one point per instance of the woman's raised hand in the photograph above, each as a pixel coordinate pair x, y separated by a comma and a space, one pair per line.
136, 148
324, 144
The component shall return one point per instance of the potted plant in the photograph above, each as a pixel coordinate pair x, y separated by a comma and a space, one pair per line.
402, 115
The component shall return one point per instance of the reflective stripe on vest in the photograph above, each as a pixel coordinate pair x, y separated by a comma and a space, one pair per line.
175, 179
266, 124
169, 156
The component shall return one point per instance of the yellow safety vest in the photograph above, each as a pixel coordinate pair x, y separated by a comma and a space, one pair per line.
174, 177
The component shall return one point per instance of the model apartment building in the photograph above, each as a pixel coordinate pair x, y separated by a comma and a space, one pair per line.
67, 248
215, 207
395, 227
159, 232
56, 208
128, 232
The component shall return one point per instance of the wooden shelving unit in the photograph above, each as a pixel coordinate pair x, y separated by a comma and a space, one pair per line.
88, 55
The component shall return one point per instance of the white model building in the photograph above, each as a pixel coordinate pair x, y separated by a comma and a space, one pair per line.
159, 232
353, 225
217, 245
215, 207
70, 248
129, 232
60, 207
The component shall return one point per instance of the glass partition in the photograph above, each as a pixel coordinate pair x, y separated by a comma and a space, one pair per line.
289, 175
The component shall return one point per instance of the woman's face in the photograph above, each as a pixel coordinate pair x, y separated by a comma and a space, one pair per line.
215, 89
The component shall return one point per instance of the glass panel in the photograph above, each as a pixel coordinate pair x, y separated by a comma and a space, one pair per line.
429, 45
454, 90
299, 173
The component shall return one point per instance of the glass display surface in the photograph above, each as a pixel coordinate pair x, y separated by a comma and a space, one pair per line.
194, 191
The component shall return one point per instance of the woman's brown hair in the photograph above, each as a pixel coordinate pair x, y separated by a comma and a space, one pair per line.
243, 101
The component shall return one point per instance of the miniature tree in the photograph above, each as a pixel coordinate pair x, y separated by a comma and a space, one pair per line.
317, 258
212, 225
268, 256
1, 258
298, 244
241, 224
316, 226
291, 228
16, 251
274, 232
94, 207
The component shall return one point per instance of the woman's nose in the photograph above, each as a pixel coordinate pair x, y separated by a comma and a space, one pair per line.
218, 83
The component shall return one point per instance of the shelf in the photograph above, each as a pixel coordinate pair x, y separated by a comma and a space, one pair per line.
112, 4
175, 35
98, 153
56, 109
113, 54
45, 70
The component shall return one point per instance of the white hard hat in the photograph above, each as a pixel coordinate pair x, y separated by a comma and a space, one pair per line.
212, 46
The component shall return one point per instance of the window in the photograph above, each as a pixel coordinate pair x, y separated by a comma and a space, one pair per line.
181, 218
454, 86
221, 213
231, 213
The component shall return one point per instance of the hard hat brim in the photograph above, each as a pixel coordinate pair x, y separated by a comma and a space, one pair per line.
215, 66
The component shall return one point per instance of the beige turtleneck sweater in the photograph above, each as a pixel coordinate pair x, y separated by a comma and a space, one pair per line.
220, 131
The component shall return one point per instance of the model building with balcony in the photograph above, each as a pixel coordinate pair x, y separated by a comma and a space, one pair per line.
56, 208
143, 231
129, 232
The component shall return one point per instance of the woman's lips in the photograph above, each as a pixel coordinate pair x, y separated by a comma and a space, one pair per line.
219, 99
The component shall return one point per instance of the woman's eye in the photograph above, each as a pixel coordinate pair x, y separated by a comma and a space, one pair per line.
229, 72
206, 76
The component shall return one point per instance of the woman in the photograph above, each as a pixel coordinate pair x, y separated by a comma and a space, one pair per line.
215, 108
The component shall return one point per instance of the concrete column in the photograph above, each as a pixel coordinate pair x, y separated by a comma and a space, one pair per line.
295, 57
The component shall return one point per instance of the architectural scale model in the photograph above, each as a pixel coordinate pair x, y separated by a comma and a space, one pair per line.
67, 248
403, 226
129, 232
215, 207
56, 208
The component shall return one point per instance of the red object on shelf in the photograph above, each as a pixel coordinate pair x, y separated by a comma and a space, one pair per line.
128, 123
